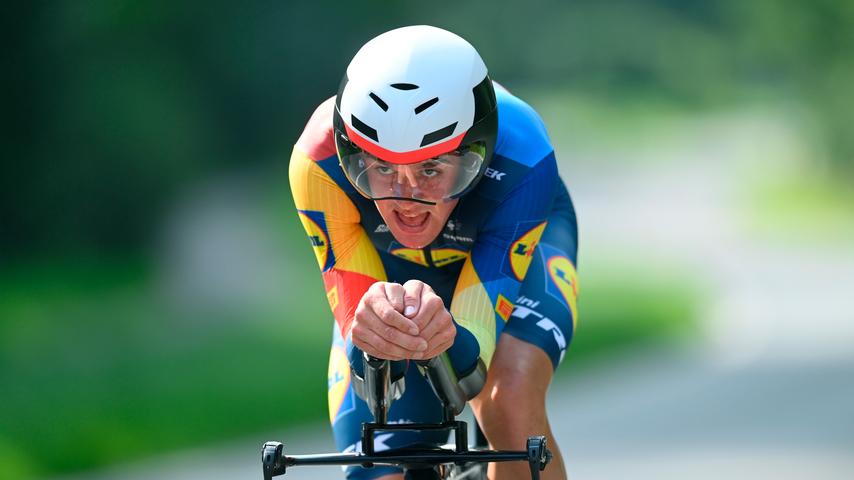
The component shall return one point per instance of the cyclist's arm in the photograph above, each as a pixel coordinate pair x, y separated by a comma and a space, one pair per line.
492, 275
346, 256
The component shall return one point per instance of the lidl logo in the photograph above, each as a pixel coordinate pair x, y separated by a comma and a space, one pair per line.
503, 307
446, 256
314, 223
522, 250
338, 379
564, 276
414, 255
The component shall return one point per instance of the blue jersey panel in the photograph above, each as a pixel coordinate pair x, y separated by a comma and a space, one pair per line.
522, 135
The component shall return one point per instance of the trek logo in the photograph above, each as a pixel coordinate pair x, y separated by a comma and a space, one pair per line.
381, 228
546, 324
494, 174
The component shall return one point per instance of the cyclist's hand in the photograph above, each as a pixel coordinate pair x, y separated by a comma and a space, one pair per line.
428, 311
380, 329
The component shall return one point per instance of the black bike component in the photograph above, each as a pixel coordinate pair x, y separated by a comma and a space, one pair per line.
272, 459
377, 386
451, 389
420, 463
538, 455
428, 473
459, 428
404, 457
443, 379
409, 458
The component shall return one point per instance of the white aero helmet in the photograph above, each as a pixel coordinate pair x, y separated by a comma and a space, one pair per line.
415, 116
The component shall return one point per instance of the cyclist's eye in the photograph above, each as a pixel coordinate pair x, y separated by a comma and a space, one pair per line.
385, 170
430, 172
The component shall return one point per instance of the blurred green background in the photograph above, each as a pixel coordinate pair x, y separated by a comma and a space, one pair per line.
156, 289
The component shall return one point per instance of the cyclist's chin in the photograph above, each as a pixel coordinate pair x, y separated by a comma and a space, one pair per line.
415, 225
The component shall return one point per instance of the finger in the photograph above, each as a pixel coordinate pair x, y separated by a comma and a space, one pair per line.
412, 297
391, 326
383, 310
441, 343
444, 336
375, 346
440, 322
394, 293
393, 319
431, 305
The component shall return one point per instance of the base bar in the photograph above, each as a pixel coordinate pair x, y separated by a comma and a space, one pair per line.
431, 457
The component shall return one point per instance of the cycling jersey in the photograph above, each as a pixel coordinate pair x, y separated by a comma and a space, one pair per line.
504, 262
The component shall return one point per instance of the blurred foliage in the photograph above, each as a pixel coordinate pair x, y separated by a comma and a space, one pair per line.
126, 375
114, 105
803, 210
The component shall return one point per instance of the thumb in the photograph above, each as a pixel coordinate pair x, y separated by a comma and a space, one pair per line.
412, 297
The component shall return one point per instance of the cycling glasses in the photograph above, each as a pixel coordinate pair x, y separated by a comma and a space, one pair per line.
429, 181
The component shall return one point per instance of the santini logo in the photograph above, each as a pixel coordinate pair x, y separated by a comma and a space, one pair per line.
494, 174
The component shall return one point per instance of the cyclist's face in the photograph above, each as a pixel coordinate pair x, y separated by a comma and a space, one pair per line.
415, 224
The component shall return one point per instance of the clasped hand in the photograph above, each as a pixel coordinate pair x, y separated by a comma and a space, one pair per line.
398, 322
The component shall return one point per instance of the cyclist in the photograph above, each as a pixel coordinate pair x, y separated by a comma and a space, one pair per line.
432, 201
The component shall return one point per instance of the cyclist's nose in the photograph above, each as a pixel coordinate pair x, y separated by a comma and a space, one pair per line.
406, 176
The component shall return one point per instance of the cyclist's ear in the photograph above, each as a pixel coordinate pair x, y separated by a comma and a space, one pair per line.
412, 297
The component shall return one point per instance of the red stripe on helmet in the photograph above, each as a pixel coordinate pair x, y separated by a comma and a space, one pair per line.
402, 158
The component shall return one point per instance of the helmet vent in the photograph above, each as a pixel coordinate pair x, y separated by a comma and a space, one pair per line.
379, 101
439, 134
404, 86
365, 129
426, 105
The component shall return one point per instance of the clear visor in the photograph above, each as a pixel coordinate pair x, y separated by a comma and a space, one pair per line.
430, 181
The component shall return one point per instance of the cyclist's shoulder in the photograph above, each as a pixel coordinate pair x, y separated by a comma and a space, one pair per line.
315, 152
317, 141
523, 151
522, 135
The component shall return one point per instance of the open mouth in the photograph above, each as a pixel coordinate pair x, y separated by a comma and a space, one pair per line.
411, 223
